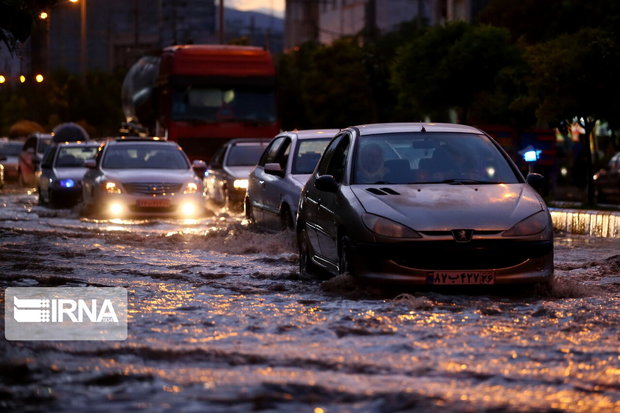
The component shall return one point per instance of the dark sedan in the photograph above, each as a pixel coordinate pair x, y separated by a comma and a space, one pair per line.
62, 169
423, 203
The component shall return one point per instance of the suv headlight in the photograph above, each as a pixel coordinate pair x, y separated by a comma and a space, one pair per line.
531, 225
190, 188
388, 228
111, 187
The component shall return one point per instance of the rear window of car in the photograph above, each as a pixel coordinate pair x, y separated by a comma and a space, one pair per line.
308, 154
433, 157
144, 157
244, 154
11, 148
74, 156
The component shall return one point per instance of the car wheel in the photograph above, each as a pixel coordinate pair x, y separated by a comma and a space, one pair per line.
286, 218
306, 267
344, 256
249, 212
20, 178
41, 200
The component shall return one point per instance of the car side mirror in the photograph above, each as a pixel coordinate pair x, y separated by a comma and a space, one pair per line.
274, 169
90, 163
326, 183
199, 167
535, 180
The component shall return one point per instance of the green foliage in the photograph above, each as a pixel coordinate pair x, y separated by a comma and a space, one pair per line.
325, 86
576, 75
450, 66
63, 97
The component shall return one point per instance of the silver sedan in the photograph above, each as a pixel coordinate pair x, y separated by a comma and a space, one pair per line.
142, 177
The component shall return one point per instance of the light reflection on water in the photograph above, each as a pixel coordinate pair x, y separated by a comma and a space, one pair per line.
220, 320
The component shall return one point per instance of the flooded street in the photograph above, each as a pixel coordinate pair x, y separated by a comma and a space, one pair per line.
219, 320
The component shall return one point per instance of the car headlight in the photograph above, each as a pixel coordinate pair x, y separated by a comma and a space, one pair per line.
531, 225
190, 188
388, 228
240, 184
66, 183
112, 187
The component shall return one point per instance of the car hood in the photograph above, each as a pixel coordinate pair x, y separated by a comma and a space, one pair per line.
70, 173
442, 207
151, 175
239, 171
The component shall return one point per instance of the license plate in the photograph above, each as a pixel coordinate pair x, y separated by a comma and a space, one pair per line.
153, 203
461, 277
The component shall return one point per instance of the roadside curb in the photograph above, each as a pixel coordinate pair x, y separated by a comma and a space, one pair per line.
586, 222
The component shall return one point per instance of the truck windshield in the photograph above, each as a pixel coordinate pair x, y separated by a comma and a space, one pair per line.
212, 104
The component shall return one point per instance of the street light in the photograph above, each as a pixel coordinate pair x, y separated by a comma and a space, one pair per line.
39, 78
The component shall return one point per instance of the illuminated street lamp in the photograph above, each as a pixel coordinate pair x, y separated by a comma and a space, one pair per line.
22, 79
43, 15
2, 79
39, 78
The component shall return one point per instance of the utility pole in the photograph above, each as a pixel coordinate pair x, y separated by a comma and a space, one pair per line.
83, 34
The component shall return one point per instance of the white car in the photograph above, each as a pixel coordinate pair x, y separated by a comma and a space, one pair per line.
142, 177
275, 184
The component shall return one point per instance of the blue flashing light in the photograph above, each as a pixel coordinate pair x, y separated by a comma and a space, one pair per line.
531, 156
67, 183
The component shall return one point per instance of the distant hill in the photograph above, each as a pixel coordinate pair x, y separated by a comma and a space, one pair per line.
244, 20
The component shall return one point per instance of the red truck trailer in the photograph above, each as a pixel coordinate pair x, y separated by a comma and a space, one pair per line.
203, 95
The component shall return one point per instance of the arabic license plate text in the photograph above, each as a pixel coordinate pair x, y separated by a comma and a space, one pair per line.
153, 203
461, 277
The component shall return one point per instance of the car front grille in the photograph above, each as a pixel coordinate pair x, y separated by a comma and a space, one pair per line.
152, 188
449, 255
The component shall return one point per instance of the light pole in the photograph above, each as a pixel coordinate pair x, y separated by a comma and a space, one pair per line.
83, 26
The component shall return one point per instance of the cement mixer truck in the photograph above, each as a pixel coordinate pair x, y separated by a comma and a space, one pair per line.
202, 95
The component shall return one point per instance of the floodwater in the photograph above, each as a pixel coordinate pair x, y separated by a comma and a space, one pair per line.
219, 320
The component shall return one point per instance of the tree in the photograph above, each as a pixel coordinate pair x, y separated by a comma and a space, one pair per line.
325, 86
574, 76
17, 17
450, 66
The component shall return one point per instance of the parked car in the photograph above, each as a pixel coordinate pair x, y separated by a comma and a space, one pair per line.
282, 170
62, 169
30, 158
10, 150
423, 203
142, 177
607, 182
226, 179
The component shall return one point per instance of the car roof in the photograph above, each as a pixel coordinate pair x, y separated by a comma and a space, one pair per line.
79, 143
376, 128
133, 140
262, 141
311, 133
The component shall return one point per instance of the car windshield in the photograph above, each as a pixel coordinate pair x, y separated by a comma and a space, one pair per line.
74, 156
225, 104
11, 148
144, 157
409, 158
244, 154
308, 154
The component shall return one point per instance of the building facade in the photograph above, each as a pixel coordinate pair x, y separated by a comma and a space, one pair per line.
324, 21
